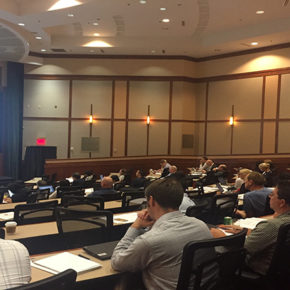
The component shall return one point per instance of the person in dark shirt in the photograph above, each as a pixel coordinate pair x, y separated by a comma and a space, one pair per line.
18, 192
106, 188
77, 181
140, 179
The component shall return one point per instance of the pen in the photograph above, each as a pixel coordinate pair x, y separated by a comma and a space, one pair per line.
80, 255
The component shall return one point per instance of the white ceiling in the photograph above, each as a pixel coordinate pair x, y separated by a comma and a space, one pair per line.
197, 28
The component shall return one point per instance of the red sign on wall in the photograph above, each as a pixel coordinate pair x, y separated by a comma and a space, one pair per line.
41, 141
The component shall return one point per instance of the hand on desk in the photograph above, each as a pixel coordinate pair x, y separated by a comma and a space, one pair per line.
143, 220
218, 233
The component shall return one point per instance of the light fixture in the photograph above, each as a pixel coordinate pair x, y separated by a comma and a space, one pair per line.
92, 50
97, 43
96, 34
254, 43
38, 37
165, 20
95, 23
231, 120
21, 24
91, 119
259, 12
142, 1
61, 4
70, 15
153, 51
43, 50
148, 116
163, 9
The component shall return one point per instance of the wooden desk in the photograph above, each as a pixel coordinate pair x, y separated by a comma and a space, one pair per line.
105, 270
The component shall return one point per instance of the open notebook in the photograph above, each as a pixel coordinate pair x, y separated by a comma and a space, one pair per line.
63, 261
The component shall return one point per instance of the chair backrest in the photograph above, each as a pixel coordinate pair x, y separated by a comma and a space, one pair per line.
35, 212
65, 280
69, 220
280, 264
37, 195
225, 205
82, 202
203, 267
131, 194
79, 192
2, 233
68, 188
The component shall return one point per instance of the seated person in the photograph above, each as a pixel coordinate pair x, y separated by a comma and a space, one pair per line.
243, 172
208, 166
17, 192
140, 180
164, 168
77, 181
216, 175
260, 244
14, 264
106, 188
157, 252
89, 176
256, 199
202, 163
172, 171
267, 173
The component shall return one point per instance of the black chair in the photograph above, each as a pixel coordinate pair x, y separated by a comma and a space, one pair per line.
37, 195
225, 205
129, 194
82, 202
268, 210
2, 233
65, 280
65, 189
35, 212
80, 192
278, 275
203, 266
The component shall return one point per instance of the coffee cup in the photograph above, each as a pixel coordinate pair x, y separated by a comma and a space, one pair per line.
10, 227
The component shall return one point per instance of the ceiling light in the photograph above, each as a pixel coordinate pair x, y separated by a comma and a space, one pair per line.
254, 43
165, 20
153, 51
96, 34
70, 15
143, 1
61, 4
38, 37
163, 9
92, 50
21, 24
260, 12
97, 43
95, 23
43, 50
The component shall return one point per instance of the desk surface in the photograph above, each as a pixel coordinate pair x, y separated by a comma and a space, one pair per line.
105, 270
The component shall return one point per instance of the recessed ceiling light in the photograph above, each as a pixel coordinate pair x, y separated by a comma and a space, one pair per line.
163, 9
142, 1
96, 34
260, 12
153, 51
38, 37
165, 20
254, 43
95, 23
43, 50
97, 43
61, 4
21, 24
70, 15
92, 50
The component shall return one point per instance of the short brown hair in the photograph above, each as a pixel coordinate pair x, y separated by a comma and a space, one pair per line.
284, 190
257, 178
167, 192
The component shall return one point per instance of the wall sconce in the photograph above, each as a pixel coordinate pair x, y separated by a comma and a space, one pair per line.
231, 120
148, 116
91, 119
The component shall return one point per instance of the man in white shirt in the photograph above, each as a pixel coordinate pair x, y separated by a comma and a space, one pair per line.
14, 264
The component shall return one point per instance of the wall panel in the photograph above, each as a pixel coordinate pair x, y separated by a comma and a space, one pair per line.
46, 98
285, 97
102, 129
155, 94
158, 138
269, 137
218, 138
137, 138
271, 90
246, 138
119, 138
98, 93
244, 94
120, 99
55, 132
283, 137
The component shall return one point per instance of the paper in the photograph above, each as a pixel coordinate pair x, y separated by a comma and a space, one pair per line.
249, 223
63, 261
6, 216
125, 218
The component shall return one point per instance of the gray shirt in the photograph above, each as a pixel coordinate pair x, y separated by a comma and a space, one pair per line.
260, 244
158, 252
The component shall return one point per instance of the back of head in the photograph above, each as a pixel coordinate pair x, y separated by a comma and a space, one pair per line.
41, 183
257, 178
107, 182
141, 172
63, 183
167, 192
76, 175
264, 166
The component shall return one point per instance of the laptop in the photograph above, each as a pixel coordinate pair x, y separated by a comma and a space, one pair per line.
220, 188
103, 251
